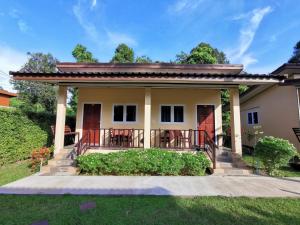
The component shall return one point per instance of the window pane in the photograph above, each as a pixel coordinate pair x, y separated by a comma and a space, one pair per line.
118, 113
131, 113
255, 118
249, 118
178, 113
165, 113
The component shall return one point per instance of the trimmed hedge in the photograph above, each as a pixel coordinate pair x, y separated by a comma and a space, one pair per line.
19, 136
144, 162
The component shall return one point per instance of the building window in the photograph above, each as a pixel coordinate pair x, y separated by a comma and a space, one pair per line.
124, 113
165, 114
130, 113
118, 113
252, 118
171, 114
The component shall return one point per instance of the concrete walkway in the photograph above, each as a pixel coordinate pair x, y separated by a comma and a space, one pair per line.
252, 186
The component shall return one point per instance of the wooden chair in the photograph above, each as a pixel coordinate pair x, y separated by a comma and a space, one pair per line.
164, 138
188, 138
67, 132
112, 137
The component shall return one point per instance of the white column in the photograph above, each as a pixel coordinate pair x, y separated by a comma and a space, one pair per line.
147, 118
236, 138
60, 119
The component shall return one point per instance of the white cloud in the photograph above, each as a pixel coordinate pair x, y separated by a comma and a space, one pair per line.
104, 37
23, 27
181, 6
247, 34
89, 28
16, 15
93, 4
10, 59
117, 38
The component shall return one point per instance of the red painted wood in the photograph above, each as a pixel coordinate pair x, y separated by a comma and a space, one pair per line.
206, 121
91, 121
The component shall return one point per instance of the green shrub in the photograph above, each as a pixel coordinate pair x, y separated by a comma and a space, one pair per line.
18, 136
274, 153
143, 162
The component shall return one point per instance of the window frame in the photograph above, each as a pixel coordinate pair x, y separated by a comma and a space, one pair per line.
172, 114
125, 112
252, 118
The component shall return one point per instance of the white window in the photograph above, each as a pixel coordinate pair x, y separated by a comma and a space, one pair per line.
124, 113
171, 113
252, 118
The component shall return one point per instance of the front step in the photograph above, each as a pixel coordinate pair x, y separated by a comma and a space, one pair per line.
61, 165
230, 164
231, 172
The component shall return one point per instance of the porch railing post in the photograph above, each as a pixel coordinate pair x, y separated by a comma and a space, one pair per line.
147, 118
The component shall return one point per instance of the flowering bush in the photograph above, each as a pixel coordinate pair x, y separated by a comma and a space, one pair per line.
38, 157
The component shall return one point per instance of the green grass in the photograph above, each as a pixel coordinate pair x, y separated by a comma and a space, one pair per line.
148, 210
285, 171
12, 172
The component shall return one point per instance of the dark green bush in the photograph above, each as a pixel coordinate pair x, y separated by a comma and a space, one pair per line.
19, 136
274, 153
143, 162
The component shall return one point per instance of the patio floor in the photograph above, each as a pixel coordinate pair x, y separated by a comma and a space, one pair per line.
252, 186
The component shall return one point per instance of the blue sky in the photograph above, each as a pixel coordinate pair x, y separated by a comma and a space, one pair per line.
259, 34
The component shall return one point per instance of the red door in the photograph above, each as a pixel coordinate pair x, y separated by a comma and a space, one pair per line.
91, 122
206, 121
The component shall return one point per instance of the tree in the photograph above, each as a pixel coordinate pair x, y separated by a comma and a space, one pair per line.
203, 53
123, 54
296, 54
81, 55
37, 95
143, 59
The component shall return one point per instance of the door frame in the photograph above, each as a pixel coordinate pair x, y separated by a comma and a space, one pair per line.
196, 118
82, 113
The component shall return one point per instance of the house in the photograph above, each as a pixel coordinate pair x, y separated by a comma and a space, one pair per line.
149, 105
272, 110
5, 97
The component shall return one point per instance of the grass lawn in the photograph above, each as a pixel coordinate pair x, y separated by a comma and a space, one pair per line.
12, 172
285, 171
148, 210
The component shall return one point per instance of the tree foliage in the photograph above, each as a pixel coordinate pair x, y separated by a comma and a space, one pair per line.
296, 54
143, 59
37, 94
203, 53
123, 54
82, 55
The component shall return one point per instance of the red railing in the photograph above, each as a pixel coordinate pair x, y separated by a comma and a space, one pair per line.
116, 138
183, 140
134, 138
83, 144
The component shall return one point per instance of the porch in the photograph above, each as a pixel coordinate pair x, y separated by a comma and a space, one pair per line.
179, 119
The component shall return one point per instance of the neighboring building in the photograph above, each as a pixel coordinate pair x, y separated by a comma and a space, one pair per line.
272, 110
5, 97
148, 105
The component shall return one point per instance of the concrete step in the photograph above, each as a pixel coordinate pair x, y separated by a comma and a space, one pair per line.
224, 165
61, 162
231, 171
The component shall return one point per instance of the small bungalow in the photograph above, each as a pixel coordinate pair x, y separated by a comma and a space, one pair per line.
159, 105
273, 109
5, 97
